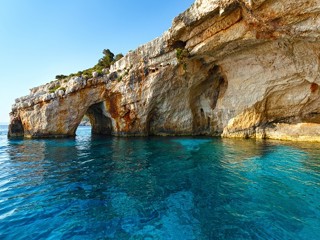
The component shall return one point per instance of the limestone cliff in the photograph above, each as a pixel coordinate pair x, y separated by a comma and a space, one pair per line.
232, 68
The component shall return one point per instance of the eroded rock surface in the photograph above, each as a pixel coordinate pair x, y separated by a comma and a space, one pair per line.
232, 68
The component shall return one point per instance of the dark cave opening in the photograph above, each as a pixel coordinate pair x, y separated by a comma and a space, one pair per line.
100, 123
16, 129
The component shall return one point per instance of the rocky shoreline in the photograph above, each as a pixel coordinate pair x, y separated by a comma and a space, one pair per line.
230, 68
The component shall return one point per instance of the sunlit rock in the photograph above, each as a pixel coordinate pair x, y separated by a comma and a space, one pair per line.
227, 68
95, 74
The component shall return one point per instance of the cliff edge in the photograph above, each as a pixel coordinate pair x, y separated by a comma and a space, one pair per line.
231, 68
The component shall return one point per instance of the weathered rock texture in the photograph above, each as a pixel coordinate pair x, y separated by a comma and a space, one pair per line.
236, 68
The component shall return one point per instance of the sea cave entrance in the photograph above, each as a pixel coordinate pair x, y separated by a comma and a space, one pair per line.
16, 128
98, 118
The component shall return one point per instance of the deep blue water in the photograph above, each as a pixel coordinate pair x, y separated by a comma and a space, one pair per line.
158, 188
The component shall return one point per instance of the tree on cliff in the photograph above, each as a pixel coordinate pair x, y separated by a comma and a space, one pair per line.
118, 57
106, 60
61, 76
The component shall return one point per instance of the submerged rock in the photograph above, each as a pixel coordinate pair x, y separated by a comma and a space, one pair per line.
225, 68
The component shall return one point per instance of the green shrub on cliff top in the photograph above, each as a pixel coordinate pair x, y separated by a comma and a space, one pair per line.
118, 57
61, 76
105, 62
52, 90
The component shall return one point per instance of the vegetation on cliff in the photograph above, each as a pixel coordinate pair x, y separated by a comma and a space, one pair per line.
100, 68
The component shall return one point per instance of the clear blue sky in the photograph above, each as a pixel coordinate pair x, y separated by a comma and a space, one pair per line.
40, 39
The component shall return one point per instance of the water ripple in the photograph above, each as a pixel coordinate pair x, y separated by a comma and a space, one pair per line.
158, 188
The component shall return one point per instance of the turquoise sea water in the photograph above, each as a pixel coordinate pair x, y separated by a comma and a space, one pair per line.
158, 188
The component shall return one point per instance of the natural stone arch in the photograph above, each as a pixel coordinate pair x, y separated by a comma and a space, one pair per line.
61, 116
101, 123
16, 128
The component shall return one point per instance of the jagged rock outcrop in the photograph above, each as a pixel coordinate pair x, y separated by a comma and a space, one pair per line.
232, 68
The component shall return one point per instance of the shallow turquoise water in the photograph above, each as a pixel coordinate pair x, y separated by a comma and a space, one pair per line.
158, 188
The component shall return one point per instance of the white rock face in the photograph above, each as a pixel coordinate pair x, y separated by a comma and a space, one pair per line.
95, 74
225, 68
60, 93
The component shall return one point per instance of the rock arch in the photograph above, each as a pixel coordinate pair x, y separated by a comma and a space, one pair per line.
16, 128
99, 118
60, 116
